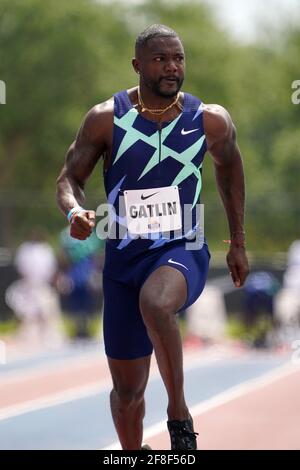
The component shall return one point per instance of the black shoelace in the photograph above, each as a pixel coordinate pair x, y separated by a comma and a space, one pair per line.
182, 437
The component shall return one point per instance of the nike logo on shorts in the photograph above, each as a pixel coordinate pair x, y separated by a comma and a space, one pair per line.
183, 132
179, 264
149, 195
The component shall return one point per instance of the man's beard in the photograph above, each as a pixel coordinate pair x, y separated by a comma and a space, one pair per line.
155, 86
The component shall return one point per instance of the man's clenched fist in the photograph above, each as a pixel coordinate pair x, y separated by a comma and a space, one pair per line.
82, 224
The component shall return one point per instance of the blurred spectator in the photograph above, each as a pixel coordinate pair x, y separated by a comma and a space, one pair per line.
206, 318
260, 290
32, 298
80, 279
287, 305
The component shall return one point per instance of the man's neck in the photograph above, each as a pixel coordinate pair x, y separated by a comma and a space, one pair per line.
153, 100
169, 115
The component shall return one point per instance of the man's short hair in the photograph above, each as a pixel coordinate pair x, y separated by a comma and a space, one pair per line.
153, 31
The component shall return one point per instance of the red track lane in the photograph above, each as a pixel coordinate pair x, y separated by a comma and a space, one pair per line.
266, 418
14, 391
17, 390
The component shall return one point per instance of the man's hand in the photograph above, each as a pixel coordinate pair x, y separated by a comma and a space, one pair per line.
238, 264
82, 224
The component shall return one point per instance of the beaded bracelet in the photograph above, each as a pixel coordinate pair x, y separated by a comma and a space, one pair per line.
240, 232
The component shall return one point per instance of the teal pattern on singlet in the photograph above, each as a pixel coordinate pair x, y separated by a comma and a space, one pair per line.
144, 156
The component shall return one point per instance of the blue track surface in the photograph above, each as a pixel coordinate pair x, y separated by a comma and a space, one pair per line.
86, 423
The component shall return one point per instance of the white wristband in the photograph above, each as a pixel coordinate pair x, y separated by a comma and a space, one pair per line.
73, 211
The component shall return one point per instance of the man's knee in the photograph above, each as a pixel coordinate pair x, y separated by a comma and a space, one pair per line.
127, 397
157, 310
162, 295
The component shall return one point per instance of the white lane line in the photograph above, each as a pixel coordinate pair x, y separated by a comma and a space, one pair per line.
56, 399
97, 387
204, 357
47, 369
44, 370
222, 398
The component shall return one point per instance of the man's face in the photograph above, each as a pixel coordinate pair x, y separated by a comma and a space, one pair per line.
161, 65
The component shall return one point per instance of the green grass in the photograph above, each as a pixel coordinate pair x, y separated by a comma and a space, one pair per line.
8, 327
253, 334
94, 326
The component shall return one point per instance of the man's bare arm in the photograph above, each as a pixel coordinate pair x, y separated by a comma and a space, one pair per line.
92, 140
222, 145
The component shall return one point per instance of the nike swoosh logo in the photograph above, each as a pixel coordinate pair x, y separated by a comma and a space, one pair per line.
175, 262
183, 132
149, 195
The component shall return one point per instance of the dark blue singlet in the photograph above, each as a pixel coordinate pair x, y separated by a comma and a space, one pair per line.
145, 157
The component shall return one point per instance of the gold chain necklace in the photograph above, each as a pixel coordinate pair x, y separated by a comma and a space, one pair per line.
157, 112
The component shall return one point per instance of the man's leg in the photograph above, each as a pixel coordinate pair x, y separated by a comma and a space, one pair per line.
129, 350
127, 399
161, 296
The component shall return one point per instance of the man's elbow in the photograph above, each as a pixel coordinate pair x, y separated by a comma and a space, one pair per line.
61, 179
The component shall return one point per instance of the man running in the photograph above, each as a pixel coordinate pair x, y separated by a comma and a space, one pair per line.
153, 139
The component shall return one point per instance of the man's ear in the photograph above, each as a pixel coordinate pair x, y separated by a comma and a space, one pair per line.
135, 65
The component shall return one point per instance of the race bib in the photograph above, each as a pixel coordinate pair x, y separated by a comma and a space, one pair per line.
153, 210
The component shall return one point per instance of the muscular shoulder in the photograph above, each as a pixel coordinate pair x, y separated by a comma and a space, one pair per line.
97, 124
100, 115
217, 123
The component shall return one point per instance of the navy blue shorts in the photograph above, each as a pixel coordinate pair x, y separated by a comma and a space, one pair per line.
125, 335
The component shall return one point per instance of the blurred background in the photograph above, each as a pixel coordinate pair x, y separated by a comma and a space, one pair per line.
57, 60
